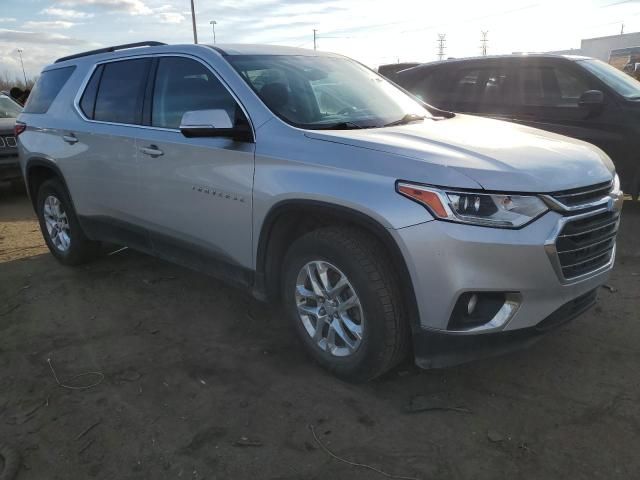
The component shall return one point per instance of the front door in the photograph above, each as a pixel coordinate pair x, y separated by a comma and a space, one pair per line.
548, 97
197, 191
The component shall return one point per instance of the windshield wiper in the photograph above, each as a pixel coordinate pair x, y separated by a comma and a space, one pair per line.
408, 118
340, 126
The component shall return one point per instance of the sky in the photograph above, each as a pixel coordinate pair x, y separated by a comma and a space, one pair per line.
372, 31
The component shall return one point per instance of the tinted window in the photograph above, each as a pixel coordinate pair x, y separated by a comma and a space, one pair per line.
432, 87
88, 101
481, 88
46, 89
184, 85
550, 86
121, 91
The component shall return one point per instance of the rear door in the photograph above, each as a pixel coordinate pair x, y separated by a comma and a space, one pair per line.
482, 88
106, 171
197, 191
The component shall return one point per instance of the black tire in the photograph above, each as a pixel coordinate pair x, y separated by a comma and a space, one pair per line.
81, 249
385, 336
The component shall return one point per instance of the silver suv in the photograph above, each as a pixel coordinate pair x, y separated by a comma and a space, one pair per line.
379, 222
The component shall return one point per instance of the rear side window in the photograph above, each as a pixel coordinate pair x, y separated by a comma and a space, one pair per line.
47, 88
485, 89
88, 100
121, 92
184, 85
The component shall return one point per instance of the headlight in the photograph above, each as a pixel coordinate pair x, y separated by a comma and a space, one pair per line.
485, 209
616, 184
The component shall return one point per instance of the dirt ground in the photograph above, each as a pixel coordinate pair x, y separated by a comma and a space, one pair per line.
200, 381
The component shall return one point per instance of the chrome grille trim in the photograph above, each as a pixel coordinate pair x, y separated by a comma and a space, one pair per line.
11, 141
573, 263
579, 198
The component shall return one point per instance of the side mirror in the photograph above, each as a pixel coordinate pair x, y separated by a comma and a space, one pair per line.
591, 100
213, 123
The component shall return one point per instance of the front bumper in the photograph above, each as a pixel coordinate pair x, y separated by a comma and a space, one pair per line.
433, 349
448, 259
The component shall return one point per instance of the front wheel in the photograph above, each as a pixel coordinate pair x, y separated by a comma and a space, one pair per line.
342, 295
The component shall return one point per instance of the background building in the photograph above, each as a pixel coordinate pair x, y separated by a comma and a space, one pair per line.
601, 47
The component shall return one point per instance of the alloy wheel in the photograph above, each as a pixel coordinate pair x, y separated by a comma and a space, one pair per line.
57, 223
329, 308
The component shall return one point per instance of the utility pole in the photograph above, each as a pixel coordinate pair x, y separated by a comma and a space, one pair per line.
622, 29
484, 42
213, 24
23, 72
315, 35
193, 21
442, 39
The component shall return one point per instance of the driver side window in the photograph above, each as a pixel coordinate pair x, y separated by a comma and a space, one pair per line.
184, 85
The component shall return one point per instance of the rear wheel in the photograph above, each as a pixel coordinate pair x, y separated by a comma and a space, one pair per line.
60, 227
341, 293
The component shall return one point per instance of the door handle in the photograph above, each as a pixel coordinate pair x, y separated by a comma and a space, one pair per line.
152, 151
70, 139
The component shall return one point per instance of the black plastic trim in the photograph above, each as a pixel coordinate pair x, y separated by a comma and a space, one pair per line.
438, 349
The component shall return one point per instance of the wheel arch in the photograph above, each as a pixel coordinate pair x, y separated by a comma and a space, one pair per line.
289, 219
38, 170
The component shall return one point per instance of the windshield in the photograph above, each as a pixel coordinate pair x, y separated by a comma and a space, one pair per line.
619, 81
9, 108
326, 92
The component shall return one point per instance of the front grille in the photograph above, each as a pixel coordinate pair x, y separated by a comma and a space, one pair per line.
582, 196
8, 142
586, 244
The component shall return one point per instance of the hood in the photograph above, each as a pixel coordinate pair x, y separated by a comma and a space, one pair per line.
7, 124
498, 155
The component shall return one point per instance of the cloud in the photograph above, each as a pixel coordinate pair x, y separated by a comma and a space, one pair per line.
169, 14
133, 7
67, 13
40, 38
8, 19
48, 24
170, 17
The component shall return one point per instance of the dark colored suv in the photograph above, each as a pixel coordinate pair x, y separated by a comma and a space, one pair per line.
9, 165
579, 97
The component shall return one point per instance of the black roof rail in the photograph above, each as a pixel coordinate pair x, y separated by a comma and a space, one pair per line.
110, 49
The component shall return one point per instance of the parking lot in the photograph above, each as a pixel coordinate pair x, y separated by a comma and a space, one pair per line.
197, 380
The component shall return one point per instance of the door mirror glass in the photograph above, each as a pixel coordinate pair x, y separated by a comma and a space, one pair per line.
591, 99
206, 123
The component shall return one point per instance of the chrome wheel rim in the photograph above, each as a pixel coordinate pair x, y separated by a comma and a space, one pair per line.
329, 308
57, 223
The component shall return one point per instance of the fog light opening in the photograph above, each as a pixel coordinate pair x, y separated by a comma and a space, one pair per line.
483, 311
473, 302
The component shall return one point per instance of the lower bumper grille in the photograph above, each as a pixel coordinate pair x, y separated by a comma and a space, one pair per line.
586, 244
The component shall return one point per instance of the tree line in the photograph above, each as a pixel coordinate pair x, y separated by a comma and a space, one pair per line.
7, 82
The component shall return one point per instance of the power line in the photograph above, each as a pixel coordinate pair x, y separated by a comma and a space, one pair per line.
442, 39
23, 72
483, 42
